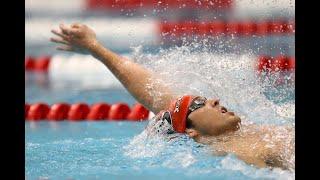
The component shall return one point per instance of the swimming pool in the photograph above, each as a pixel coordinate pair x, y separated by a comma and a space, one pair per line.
101, 150
119, 150
219, 67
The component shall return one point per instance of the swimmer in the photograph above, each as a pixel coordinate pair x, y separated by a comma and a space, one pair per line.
204, 120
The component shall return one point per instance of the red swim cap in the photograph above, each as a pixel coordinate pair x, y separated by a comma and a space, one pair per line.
179, 109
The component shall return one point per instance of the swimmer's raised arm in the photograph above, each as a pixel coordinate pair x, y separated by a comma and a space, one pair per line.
139, 81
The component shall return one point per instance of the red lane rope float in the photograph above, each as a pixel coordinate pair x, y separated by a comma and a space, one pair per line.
119, 111
138, 112
39, 64
26, 110
58, 112
249, 28
158, 4
275, 64
81, 111
263, 28
214, 28
233, 28
99, 111
29, 63
38, 111
78, 112
42, 63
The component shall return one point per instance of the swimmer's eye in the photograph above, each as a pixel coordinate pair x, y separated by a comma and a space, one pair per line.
197, 103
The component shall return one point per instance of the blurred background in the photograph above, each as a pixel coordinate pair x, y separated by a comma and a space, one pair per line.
263, 28
125, 23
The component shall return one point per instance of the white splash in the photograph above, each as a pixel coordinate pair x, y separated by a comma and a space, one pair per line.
181, 159
142, 146
232, 163
230, 77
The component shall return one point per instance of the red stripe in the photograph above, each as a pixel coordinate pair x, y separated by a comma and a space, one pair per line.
275, 64
214, 28
156, 4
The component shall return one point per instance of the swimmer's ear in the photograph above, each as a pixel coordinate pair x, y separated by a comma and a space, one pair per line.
192, 132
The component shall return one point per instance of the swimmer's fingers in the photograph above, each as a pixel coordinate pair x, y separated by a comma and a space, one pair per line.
76, 25
63, 36
65, 48
57, 40
69, 31
64, 29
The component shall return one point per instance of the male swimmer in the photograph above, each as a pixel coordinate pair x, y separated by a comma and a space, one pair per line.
204, 120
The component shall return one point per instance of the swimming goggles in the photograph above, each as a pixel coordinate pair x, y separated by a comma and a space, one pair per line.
197, 103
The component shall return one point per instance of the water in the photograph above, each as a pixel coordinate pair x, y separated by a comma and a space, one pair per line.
107, 150
231, 77
121, 150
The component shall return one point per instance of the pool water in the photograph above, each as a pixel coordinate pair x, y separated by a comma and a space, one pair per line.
121, 150
118, 150
106, 150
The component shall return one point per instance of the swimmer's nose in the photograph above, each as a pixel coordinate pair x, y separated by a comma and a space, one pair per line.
223, 109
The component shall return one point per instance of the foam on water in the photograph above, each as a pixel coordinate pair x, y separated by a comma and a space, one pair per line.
230, 77
233, 79
184, 155
230, 162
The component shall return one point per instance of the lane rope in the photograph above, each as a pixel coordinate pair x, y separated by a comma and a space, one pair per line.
264, 63
227, 28
81, 111
149, 4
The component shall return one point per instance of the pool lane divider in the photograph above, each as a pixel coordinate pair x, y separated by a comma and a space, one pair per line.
134, 5
39, 64
275, 64
217, 28
81, 111
264, 63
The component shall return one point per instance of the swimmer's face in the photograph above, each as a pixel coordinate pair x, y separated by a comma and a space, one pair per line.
213, 119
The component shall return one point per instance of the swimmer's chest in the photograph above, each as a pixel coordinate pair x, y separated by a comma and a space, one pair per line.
252, 150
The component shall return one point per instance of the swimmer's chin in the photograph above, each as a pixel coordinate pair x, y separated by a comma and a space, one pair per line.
236, 123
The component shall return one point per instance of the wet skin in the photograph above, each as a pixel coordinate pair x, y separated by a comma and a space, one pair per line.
212, 124
214, 119
209, 122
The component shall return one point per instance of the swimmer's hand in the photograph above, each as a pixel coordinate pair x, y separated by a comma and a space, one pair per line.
75, 38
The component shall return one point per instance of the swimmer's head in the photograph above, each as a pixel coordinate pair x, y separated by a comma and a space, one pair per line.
198, 116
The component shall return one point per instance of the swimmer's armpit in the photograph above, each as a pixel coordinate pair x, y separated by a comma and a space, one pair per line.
274, 160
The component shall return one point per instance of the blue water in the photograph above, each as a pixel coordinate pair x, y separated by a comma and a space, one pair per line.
117, 150
120, 150
99, 150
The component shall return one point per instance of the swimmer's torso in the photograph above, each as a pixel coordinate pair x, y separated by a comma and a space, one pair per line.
260, 145
263, 146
